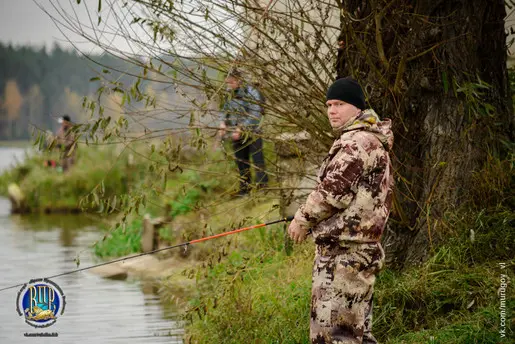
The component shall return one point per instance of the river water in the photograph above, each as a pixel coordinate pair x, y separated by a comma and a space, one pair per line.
97, 310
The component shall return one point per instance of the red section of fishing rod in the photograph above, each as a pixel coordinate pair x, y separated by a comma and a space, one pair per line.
287, 219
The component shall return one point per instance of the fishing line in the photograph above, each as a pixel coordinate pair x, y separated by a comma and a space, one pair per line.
184, 244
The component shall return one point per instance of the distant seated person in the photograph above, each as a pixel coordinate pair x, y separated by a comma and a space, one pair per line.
65, 142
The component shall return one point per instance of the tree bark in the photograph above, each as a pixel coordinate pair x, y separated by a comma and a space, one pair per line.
439, 57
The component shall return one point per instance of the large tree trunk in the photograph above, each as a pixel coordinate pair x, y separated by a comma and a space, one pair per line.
425, 66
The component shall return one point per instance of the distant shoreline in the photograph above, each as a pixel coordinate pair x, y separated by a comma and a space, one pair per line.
15, 144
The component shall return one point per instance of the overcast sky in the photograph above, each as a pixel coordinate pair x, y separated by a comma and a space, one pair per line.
23, 22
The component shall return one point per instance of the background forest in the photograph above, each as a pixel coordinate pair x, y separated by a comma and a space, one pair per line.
38, 85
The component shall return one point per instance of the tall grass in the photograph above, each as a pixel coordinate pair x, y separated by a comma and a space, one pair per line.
48, 189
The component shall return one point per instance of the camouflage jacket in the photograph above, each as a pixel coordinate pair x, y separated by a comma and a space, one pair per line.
65, 139
353, 196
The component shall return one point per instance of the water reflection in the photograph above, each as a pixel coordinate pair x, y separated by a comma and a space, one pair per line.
97, 310
103, 311
68, 226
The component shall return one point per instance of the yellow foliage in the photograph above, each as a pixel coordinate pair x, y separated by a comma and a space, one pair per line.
13, 100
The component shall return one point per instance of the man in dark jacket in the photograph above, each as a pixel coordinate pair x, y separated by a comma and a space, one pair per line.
340, 59
347, 213
242, 114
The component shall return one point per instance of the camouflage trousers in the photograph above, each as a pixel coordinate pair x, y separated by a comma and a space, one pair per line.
342, 293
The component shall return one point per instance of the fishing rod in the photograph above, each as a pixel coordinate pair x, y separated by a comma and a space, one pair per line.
196, 241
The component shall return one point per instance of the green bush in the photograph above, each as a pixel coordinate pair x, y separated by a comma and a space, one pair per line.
121, 241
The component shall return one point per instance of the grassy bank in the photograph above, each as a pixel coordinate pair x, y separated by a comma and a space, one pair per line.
48, 189
258, 294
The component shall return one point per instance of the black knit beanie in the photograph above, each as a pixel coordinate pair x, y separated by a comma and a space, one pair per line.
347, 90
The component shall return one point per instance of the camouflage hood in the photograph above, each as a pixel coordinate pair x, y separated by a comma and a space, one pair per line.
369, 121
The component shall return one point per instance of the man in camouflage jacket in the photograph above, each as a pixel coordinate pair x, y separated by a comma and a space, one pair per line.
66, 143
347, 213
